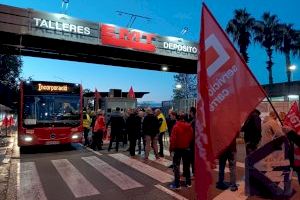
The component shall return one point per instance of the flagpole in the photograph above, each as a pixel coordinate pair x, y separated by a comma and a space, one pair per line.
277, 115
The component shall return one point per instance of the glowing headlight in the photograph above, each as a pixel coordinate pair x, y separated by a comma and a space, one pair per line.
74, 137
27, 138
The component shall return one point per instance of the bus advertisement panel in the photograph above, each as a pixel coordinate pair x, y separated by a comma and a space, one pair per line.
49, 113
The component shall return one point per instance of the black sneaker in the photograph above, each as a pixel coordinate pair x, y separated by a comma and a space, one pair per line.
174, 187
233, 188
222, 186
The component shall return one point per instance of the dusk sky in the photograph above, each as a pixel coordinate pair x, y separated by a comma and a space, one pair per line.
169, 17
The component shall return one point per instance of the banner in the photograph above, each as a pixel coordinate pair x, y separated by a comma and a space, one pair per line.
227, 93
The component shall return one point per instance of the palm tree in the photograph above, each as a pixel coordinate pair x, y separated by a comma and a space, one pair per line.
288, 44
240, 29
266, 33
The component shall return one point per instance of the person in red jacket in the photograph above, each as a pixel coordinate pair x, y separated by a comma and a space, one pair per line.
98, 130
180, 141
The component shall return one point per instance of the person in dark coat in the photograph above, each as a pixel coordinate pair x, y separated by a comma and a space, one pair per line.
151, 131
133, 128
192, 118
252, 131
117, 124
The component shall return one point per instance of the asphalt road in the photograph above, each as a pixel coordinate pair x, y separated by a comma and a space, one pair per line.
74, 172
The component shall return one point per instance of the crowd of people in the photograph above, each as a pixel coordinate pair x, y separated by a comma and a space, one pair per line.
146, 130
257, 133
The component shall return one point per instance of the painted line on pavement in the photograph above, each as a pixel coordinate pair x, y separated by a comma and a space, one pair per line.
77, 183
170, 192
29, 185
162, 161
238, 195
152, 172
91, 150
119, 178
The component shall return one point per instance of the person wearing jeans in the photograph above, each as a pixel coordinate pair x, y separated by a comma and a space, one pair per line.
230, 155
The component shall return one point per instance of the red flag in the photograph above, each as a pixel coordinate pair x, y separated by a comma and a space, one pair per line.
131, 93
292, 118
5, 121
227, 93
97, 95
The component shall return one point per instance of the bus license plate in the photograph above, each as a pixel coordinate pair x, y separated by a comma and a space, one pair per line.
52, 142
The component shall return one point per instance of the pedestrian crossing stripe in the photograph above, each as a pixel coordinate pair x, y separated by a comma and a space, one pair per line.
29, 185
117, 177
152, 172
77, 183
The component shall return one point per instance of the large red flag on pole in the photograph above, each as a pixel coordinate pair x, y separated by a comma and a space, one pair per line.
227, 93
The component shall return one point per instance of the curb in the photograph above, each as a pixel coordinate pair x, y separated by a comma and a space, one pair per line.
5, 167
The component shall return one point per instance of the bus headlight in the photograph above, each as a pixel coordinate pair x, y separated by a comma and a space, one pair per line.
75, 136
27, 138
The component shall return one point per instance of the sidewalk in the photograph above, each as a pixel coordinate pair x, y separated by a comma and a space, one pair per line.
6, 145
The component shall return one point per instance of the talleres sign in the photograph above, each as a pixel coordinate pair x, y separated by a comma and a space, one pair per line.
59, 26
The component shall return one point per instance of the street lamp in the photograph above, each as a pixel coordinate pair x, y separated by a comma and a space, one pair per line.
291, 69
178, 86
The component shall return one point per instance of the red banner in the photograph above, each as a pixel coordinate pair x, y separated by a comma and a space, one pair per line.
227, 93
292, 118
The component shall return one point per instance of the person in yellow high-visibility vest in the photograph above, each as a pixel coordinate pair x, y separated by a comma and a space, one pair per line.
162, 129
86, 123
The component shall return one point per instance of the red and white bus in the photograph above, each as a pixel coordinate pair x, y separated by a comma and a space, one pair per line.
49, 113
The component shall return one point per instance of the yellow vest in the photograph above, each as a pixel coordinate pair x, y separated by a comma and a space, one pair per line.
86, 122
163, 126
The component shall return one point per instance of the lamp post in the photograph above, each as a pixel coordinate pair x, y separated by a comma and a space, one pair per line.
291, 69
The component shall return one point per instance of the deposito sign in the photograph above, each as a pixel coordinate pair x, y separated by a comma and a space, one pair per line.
61, 26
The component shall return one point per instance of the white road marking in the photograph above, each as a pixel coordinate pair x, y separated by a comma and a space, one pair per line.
162, 161
144, 168
77, 183
170, 192
29, 185
237, 195
119, 178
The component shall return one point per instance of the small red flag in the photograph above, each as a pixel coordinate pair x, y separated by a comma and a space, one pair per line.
292, 118
5, 121
131, 93
97, 94
227, 93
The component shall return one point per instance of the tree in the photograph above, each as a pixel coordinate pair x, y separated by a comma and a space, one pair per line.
288, 44
10, 69
188, 83
266, 33
240, 29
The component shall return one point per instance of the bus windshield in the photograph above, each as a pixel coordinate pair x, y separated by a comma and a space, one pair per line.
51, 110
